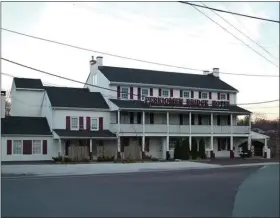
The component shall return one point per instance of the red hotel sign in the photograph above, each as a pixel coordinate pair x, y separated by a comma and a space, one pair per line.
185, 102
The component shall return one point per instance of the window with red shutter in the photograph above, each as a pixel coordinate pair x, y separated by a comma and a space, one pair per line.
228, 96
199, 95
88, 123
218, 96
210, 95
181, 93
118, 92
192, 94
68, 122
139, 93
45, 146
151, 92
9, 147
81, 123
159, 92
100, 123
171, 93
27, 146
131, 92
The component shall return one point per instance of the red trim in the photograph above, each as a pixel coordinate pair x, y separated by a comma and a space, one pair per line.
151, 91
219, 96
191, 94
210, 95
45, 146
81, 123
118, 91
88, 123
27, 147
100, 123
228, 96
68, 122
159, 92
9, 147
181, 93
131, 92
171, 93
139, 93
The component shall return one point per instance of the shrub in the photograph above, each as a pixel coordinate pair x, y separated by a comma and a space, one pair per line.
202, 153
57, 159
185, 150
105, 158
194, 152
178, 150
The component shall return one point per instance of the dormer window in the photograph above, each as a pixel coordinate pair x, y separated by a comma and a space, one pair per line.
124, 93
165, 93
186, 94
223, 96
204, 95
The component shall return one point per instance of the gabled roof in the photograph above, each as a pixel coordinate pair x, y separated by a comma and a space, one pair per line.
129, 75
25, 126
75, 98
27, 83
63, 133
137, 104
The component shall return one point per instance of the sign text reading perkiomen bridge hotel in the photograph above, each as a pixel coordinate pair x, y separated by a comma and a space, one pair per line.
185, 103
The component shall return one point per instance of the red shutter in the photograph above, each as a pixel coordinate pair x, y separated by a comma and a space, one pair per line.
81, 123
45, 146
88, 123
191, 94
139, 93
210, 95
199, 95
218, 96
100, 123
151, 92
27, 147
118, 92
181, 93
171, 93
228, 96
159, 92
9, 147
67, 122
131, 92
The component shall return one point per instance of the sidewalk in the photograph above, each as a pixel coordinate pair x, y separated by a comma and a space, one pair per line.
106, 168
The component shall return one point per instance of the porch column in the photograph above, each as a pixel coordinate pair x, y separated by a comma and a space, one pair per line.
231, 126
90, 149
60, 148
190, 125
167, 137
249, 136
231, 147
212, 154
119, 138
143, 135
265, 148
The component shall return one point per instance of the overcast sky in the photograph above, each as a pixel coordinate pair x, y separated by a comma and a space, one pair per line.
165, 32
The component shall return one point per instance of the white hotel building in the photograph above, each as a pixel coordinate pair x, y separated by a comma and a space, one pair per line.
135, 112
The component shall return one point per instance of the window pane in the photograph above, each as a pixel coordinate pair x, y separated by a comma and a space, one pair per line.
165, 93
94, 125
36, 147
74, 122
124, 93
186, 94
223, 96
204, 95
145, 92
17, 147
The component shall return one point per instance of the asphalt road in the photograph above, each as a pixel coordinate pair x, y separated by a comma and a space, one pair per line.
198, 193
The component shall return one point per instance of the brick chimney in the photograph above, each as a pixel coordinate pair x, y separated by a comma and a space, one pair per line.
3, 103
99, 61
216, 72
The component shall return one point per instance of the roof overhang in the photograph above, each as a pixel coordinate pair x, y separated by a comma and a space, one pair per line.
29, 89
103, 138
169, 86
24, 135
81, 109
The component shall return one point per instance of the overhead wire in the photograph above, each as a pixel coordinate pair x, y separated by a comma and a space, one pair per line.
230, 12
96, 86
255, 42
234, 36
134, 59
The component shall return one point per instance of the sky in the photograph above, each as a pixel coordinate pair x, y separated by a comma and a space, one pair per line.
165, 32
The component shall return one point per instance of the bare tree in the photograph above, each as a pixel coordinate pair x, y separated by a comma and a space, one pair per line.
8, 104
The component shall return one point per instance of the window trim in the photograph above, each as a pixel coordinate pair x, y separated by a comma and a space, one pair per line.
162, 91
21, 146
224, 94
206, 95
97, 124
41, 146
121, 92
78, 123
185, 91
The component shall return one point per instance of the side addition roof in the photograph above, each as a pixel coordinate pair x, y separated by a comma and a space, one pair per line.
75, 98
27, 83
130, 75
16, 125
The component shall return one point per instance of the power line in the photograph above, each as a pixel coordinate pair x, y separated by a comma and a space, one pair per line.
234, 36
229, 12
143, 61
241, 32
84, 83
